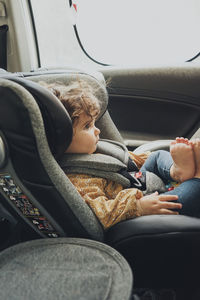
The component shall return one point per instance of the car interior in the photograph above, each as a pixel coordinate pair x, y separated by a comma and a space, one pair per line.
50, 238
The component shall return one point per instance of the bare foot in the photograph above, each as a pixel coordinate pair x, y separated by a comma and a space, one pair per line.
182, 153
196, 149
182, 140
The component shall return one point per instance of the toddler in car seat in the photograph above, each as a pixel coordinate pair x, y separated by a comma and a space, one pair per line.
109, 200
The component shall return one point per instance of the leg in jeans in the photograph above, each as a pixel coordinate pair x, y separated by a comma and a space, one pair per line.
180, 163
159, 163
188, 193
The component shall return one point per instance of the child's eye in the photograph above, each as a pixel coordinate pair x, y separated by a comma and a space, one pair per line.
87, 126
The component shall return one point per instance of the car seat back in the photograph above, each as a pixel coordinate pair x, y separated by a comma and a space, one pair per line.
34, 126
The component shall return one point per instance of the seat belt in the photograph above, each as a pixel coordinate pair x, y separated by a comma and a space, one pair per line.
3, 46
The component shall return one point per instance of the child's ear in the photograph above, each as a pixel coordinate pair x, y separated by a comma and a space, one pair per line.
74, 129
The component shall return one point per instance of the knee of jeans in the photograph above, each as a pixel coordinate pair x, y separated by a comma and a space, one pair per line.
154, 154
160, 152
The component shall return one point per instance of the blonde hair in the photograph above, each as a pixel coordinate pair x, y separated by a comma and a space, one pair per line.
77, 98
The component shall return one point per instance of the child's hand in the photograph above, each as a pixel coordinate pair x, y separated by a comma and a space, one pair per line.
156, 204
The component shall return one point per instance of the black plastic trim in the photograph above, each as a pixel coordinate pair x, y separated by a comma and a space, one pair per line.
81, 45
35, 33
193, 58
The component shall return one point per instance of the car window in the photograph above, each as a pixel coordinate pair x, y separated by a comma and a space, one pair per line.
128, 32
139, 31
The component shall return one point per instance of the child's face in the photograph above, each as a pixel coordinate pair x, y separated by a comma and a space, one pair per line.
85, 136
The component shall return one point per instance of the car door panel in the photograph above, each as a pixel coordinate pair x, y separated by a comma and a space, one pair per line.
150, 104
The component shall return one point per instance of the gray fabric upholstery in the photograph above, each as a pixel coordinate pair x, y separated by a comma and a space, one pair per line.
153, 146
154, 183
94, 161
64, 269
108, 128
113, 148
99, 88
111, 157
87, 167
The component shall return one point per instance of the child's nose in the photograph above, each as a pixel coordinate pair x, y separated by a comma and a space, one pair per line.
97, 131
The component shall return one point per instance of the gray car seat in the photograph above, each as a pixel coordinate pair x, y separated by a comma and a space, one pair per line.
33, 137
64, 268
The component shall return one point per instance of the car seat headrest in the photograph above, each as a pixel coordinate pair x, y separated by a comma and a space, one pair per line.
57, 123
99, 87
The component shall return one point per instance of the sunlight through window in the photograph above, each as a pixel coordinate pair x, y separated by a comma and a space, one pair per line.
139, 31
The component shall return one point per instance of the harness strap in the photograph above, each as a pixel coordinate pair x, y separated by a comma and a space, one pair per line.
137, 179
97, 164
113, 163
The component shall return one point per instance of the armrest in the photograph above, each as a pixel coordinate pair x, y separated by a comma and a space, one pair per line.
153, 225
153, 146
163, 250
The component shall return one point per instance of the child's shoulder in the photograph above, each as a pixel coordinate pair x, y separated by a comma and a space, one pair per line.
139, 159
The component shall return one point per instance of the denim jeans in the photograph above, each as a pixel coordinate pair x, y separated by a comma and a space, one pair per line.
188, 192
